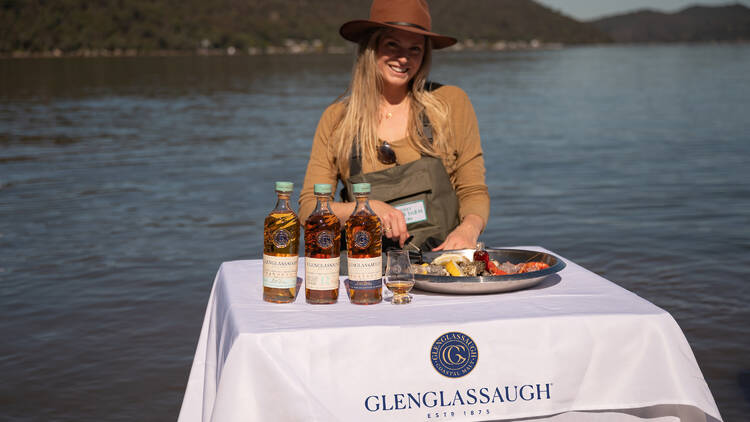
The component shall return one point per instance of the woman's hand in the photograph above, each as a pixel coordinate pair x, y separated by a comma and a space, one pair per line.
465, 235
394, 222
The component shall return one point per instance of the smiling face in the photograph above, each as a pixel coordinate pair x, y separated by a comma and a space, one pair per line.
399, 56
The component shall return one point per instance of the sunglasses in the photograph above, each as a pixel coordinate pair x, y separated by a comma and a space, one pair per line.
386, 154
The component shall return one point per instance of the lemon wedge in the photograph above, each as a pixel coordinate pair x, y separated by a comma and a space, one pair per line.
453, 269
450, 257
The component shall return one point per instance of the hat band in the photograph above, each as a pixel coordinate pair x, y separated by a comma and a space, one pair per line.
408, 24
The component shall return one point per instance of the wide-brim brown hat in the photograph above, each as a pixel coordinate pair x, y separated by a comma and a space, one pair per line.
406, 15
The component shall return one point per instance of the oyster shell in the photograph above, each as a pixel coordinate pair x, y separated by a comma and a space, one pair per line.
429, 269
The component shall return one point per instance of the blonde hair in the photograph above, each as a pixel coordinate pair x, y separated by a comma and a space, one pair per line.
359, 121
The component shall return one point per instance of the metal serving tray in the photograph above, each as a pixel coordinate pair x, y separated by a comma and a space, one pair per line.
489, 284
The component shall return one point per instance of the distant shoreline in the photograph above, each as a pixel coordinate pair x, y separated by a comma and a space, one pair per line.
289, 48
295, 49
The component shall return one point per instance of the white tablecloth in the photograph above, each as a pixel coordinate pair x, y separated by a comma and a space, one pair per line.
575, 347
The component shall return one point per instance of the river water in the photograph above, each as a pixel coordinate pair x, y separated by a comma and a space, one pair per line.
125, 182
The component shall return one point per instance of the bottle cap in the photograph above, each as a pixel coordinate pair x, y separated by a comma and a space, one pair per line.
361, 188
323, 188
284, 186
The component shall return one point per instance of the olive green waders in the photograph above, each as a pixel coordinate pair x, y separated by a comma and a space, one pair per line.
422, 190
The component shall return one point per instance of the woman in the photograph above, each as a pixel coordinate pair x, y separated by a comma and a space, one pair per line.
416, 142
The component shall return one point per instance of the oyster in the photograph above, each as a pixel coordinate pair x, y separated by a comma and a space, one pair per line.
473, 269
429, 269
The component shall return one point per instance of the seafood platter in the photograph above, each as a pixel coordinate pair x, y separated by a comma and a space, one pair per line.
476, 271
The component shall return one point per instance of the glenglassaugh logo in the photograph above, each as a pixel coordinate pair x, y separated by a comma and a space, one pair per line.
281, 238
325, 239
454, 354
361, 239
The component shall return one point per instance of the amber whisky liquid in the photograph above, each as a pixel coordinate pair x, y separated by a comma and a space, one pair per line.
280, 250
399, 287
363, 240
322, 255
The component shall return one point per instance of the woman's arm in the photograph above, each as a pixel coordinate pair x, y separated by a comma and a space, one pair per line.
393, 220
464, 236
342, 210
468, 172
321, 166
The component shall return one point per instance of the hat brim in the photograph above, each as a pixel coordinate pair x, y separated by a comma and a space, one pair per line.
355, 30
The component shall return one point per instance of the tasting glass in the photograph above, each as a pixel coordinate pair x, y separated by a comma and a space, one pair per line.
399, 276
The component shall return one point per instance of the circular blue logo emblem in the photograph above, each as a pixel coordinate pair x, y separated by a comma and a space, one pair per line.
454, 354
325, 239
362, 239
281, 238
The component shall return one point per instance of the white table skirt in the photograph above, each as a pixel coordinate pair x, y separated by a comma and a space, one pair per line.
575, 347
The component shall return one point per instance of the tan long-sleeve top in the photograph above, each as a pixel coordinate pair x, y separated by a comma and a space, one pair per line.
464, 160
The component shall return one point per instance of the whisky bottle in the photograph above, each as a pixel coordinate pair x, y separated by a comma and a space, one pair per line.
280, 249
322, 250
364, 250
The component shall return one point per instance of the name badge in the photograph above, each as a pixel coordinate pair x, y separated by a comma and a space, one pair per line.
414, 212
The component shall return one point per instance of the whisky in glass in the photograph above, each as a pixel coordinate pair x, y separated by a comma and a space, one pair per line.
399, 276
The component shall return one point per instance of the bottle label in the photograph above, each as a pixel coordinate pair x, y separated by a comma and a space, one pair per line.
281, 238
365, 273
322, 274
279, 272
365, 284
325, 239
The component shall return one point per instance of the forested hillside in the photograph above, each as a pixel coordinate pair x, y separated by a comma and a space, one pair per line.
140, 26
694, 24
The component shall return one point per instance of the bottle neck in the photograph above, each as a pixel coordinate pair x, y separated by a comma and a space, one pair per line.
282, 202
362, 204
323, 204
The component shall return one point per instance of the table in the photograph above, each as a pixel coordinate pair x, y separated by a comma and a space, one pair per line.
575, 347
